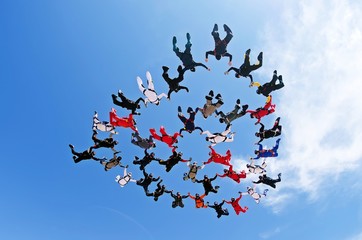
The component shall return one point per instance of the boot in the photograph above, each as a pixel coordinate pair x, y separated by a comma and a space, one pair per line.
227, 29
215, 29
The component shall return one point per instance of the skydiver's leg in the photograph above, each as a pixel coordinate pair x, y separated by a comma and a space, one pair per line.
182, 117
165, 75
274, 79
275, 148
150, 81
229, 34
169, 93
149, 194
215, 34
276, 124
180, 74
188, 44
181, 205
247, 59
154, 134
199, 128
116, 102
163, 131
182, 87
140, 85
174, 204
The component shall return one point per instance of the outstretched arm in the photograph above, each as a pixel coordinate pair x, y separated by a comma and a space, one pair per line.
232, 68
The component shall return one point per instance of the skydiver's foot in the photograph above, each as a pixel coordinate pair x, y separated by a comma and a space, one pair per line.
226, 211
179, 109
279, 175
120, 93
211, 93
218, 96
215, 29
165, 69
280, 78
74, 158
114, 97
278, 119
179, 68
275, 72
188, 37
245, 107
174, 40
189, 110
238, 101
260, 57
247, 52
278, 140
217, 187
227, 29
71, 146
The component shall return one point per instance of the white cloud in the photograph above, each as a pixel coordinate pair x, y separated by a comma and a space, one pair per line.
356, 237
268, 234
318, 51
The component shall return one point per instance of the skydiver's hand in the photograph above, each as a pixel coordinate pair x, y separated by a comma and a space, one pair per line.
226, 73
230, 63
209, 69
206, 59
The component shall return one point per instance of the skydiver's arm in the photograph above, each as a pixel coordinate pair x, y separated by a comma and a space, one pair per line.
222, 176
229, 55
199, 181
257, 182
212, 179
201, 65
232, 68
207, 54
261, 128
156, 179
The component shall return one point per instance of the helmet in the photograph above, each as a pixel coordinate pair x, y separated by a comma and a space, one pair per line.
218, 57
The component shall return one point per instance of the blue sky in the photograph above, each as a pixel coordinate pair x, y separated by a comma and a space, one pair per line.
61, 61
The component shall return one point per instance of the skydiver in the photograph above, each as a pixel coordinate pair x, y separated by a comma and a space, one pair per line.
209, 108
262, 111
192, 172
113, 162
257, 169
255, 195
147, 180
268, 87
206, 182
232, 174
174, 159
105, 143
217, 158
264, 153
161, 189
234, 114
177, 199
268, 181
149, 92
86, 155
164, 137
269, 133
245, 69
199, 200
186, 56
174, 84
147, 159
145, 143
127, 177
189, 123
235, 203
103, 126
218, 208
126, 122
127, 103
215, 138
220, 45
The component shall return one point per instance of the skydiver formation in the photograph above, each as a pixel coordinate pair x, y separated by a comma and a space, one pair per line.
254, 172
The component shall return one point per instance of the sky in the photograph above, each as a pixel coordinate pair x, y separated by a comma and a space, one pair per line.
61, 60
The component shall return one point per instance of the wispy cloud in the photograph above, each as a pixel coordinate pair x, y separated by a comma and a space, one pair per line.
318, 50
269, 234
356, 237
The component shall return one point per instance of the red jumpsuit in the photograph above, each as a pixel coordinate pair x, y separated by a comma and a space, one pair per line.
126, 122
217, 158
236, 205
261, 112
169, 140
233, 175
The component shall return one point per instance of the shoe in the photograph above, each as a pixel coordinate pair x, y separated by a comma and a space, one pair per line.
174, 40
218, 96
227, 29
71, 146
245, 107
211, 93
217, 187
188, 37
247, 52
179, 109
278, 119
215, 29
280, 78
279, 175
189, 110
165, 69
120, 92
275, 72
238, 101
179, 68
